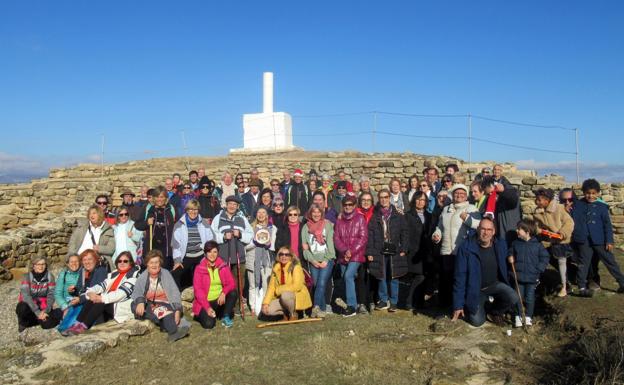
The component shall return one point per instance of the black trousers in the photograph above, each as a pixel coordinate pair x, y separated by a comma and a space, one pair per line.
416, 291
183, 276
27, 318
362, 285
447, 277
92, 312
586, 255
227, 308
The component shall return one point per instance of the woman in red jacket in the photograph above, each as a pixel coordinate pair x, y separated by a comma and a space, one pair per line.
214, 289
350, 237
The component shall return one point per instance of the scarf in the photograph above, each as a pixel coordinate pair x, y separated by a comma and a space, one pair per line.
346, 216
385, 216
316, 228
397, 200
117, 281
282, 273
294, 237
39, 276
368, 213
191, 222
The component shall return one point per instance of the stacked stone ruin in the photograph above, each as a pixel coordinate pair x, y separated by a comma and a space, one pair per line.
37, 218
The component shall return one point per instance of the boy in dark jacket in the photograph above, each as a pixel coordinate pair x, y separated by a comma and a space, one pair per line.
593, 235
530, 259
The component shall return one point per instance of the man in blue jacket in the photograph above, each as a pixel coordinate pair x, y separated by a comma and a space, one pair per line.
480, 273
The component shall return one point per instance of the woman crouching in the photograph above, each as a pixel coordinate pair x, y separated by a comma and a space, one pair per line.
287, 293
214, 289
156, 297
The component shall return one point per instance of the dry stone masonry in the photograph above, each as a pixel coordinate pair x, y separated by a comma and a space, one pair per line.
38, 217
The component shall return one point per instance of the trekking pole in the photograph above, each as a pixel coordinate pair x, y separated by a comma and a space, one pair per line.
513, 269
151, 237
240, 285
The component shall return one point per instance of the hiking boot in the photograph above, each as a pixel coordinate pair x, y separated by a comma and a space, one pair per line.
227, 322
362, 309
349, 312
179, 334
528, 321
392, 308
586, 293
341, 303
382, 305
518, 322
496, 319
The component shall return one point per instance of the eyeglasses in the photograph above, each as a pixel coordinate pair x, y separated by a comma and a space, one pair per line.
40, 264
293, 215
274, 184
424, 185
102, 202
119, 261
367, 200
283, 255
123, 214
192, 210
187, 187
348, 204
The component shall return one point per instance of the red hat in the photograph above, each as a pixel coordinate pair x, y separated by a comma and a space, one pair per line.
298, 172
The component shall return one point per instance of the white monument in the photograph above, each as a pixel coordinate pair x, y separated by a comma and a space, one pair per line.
268, 130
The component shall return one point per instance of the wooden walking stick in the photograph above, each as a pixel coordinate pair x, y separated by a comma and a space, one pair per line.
240, 284
278, 323
513, 269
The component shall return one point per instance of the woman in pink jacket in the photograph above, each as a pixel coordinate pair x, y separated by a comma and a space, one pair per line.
350, 237
214, 289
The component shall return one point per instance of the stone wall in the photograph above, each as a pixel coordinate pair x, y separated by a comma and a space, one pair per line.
37, 217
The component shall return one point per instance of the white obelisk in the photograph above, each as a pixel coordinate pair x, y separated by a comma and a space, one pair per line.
267, 131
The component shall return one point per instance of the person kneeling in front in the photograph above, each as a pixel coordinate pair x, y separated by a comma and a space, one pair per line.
287, 293
214, 288
481, 273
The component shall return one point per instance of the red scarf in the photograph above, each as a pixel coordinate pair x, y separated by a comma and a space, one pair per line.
118, 280
316, 228
368, 214
282, 274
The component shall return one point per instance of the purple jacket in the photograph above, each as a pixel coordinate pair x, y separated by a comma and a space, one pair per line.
351, 234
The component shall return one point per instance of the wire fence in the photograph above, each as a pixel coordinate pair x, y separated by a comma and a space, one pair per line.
383, 124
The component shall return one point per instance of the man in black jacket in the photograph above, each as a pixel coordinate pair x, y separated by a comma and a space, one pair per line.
298, 194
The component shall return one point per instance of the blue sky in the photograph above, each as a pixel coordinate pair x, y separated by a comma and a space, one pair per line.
140, 72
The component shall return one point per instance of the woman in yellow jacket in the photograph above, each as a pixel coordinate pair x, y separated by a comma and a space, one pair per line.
287, 292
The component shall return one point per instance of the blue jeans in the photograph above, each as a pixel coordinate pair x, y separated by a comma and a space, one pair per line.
382, 290
504, 298
349, 271
321, 277
527, 291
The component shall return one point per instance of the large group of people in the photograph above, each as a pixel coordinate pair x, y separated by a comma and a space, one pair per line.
282, 250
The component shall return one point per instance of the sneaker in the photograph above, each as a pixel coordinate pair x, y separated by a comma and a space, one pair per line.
362, 309
75, 329
321, 314
315, 311
328, 309
382, 305
349, 312
496, 319
227, 322
518, 321
528, 321
392, 308
586, 293
341, 303
180, 333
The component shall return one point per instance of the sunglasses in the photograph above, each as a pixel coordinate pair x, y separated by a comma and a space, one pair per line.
101, 202
205, 187
348, 204
278, 205
123, 214
283, 255
119, 261
567, 200
187, 187
293, 215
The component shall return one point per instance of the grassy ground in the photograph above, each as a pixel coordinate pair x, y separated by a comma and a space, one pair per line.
381, 348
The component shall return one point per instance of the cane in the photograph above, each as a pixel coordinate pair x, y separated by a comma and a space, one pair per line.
240, 285
513, 269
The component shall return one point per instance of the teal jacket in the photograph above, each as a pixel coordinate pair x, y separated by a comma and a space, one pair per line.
66, 278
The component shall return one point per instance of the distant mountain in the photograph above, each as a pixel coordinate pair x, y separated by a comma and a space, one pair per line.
20, 178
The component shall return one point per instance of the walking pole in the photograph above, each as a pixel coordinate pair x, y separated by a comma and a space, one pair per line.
513, 269
151, 237
240, 285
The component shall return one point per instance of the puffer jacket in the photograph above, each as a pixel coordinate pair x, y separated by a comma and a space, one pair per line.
351, 234
65, 279
398, 235
452, 230
294, 282
531, 259
179, 242
120, 297
201, 283
556, 219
